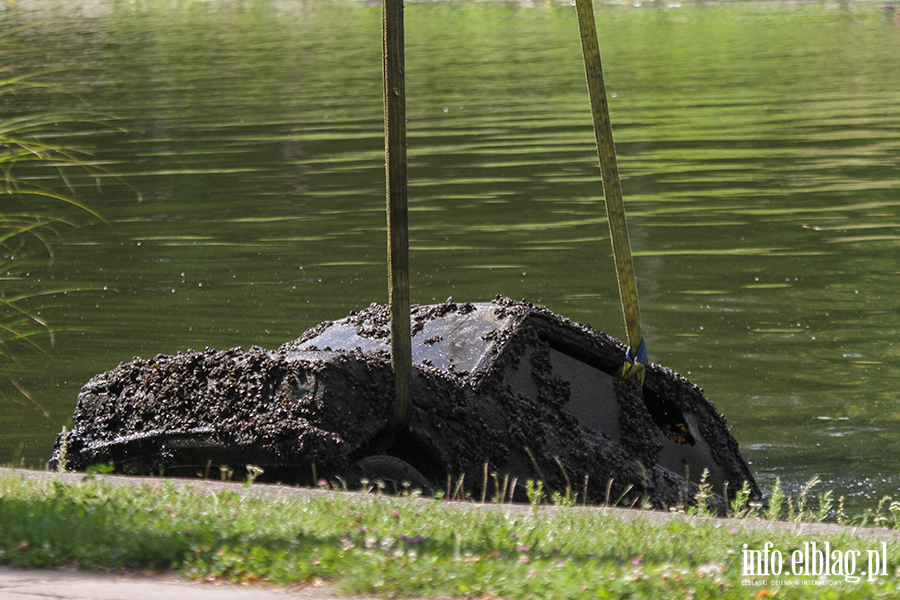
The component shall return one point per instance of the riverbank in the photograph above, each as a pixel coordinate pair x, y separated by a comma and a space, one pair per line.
410, 546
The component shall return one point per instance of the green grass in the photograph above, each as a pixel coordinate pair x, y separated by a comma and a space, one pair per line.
404, 545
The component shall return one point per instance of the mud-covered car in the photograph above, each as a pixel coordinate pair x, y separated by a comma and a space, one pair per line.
503, 392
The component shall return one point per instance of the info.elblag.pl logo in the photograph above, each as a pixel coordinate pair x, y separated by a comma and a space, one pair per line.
815, 560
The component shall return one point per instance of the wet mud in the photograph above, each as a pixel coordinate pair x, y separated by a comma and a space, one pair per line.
502, 392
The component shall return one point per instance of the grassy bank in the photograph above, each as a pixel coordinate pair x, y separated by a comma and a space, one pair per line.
413, 546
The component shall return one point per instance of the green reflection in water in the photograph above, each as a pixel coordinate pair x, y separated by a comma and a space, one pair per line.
758, 145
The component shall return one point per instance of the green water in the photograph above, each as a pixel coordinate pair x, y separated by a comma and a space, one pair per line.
759, 148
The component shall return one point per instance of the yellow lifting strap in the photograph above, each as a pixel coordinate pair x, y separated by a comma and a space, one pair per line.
397, 210
636, 356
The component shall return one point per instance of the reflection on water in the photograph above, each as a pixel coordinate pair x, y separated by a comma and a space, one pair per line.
758, 146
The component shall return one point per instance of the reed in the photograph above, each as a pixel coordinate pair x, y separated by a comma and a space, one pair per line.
31, 211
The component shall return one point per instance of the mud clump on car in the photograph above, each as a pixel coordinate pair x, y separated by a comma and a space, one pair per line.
194, 411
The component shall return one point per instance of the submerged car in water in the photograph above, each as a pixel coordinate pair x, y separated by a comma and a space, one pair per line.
503, 392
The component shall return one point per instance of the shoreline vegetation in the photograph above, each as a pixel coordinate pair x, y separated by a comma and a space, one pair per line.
37, 170
407, 545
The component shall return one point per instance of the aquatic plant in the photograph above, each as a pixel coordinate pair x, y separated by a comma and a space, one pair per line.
28, 218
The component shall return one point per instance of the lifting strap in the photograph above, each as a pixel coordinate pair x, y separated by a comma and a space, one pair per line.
636, 356
397, 210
